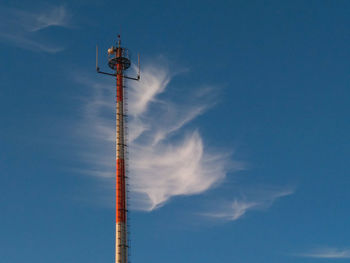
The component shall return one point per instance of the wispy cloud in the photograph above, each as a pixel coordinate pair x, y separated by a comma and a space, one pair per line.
21, 28
56, 16
327, 252
166, 158
231, 211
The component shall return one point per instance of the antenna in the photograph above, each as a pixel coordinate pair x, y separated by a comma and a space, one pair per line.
122, 59
138, 60
97, 68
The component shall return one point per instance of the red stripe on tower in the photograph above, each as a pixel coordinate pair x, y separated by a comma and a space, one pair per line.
120, 163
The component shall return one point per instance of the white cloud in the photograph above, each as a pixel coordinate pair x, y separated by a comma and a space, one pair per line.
327, 252
166, 159
27, 43
164, 170
20, 28
236, 209
56, 16
154, 82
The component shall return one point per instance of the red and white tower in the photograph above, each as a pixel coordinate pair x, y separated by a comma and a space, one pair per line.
119, 62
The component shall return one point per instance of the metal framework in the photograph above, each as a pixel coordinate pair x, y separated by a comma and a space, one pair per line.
118, 61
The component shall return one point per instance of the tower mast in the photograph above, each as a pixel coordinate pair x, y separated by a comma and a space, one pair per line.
121, 205
119, 62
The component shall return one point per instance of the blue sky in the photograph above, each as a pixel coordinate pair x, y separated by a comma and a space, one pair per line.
238, 131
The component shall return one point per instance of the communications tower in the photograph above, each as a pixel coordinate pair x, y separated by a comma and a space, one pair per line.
118, 61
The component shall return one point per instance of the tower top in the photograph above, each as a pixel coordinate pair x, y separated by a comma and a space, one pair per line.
118, 60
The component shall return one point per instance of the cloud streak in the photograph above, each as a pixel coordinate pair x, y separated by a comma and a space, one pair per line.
56, 16
236, 209
327, 252
21, 28
167, 158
